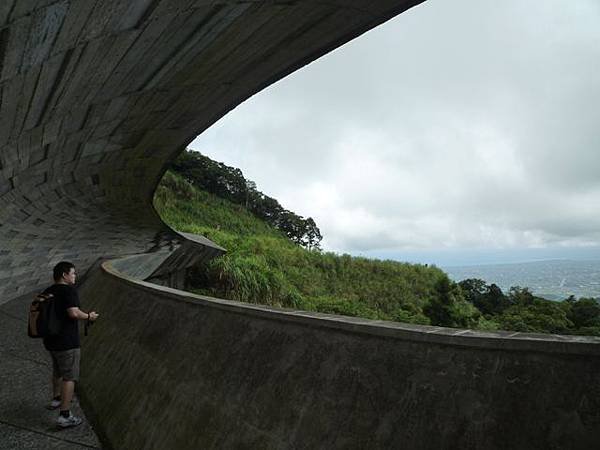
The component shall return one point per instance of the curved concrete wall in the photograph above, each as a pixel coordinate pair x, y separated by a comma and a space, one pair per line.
168, 369
97, 95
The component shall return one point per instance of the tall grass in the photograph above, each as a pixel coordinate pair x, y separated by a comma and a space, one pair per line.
263, 266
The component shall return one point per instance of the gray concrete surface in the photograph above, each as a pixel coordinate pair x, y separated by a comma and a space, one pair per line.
200, 373
96, 97
25, 371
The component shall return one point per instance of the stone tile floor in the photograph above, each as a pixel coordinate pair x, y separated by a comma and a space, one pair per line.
25, 372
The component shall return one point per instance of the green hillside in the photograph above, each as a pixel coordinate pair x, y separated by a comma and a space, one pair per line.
274, 258
263, 266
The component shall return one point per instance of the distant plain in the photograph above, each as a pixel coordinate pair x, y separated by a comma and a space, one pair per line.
552, 279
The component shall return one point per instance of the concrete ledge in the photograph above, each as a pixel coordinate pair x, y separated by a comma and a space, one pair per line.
186, 371
169, 260
503, 340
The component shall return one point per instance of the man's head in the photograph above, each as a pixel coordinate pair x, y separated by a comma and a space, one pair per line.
64, 272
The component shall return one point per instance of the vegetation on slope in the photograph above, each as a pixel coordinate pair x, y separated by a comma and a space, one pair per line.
265, 265
230, 184
520, 310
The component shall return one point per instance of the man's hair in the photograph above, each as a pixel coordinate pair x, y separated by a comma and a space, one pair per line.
61, 268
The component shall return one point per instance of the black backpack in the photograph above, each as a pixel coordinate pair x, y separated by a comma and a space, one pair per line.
43, 320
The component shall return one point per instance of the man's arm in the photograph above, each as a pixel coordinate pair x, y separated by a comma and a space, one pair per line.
77, 314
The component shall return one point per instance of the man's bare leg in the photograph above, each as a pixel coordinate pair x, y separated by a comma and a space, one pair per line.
66, 394
56, 386
65, 418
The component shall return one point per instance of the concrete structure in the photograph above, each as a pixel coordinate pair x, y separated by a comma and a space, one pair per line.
95, 97
200, 373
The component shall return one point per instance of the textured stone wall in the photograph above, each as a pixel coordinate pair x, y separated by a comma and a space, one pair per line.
166, 369
96, 96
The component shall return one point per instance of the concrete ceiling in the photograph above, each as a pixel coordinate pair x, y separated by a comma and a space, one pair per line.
97, 95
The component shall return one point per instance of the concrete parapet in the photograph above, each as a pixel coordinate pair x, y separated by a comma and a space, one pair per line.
185, 371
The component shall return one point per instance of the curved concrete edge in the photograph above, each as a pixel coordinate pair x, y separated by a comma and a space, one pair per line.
193, 250
186, 371
499, 340
182, 252
169, 260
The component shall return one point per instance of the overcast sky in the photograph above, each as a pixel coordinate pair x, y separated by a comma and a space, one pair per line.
462, 127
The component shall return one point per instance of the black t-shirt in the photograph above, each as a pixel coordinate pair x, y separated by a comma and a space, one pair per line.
65, 296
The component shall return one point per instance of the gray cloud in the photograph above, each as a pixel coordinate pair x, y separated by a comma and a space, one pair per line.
458, 124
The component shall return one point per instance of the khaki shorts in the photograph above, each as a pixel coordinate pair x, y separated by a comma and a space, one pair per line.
65, 364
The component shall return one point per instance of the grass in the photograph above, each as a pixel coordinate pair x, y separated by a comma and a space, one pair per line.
263, 266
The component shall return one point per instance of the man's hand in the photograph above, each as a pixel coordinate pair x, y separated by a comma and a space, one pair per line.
93, 315
77, 314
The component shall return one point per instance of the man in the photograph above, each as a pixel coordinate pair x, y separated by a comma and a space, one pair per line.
64, 347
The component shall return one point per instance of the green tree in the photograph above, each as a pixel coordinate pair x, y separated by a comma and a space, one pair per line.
489, 299
473, 289
584, 312
520, 296
540, 316
448, 308
229, 183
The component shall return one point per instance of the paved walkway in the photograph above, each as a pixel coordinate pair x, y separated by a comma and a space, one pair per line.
25, 372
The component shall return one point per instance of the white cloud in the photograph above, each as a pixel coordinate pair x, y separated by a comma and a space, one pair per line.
464, 124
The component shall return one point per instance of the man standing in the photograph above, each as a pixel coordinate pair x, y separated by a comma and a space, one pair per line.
64, 347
